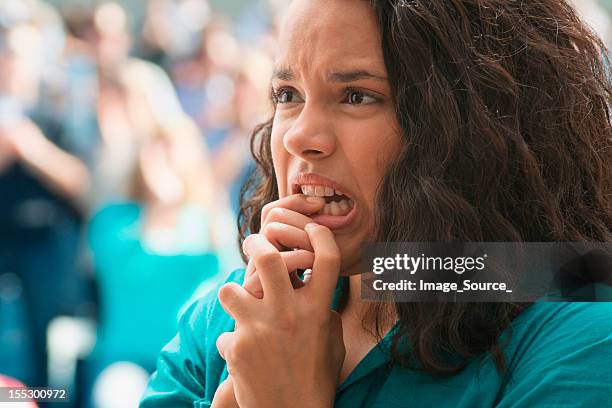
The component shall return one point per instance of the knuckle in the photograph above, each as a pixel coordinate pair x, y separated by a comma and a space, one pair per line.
220, 343
265, 210
240, 349
270, 229
265, 230
246, 242
276, 213
267, 259
226, 293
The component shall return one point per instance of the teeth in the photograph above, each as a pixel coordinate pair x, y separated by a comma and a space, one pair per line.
339, 208
308, 190
326, 209
319, 191
335, 208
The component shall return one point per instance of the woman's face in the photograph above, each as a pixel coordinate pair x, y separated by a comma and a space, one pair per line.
334, 130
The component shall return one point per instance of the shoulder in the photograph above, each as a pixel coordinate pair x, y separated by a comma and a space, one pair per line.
207, 315
558, 352
205, 319
585, 321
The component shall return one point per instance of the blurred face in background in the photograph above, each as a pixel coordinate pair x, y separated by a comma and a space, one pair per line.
334, 113
112, 36
20, 62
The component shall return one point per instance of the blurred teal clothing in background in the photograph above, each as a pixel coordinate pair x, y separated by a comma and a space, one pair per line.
143, 290
558, 355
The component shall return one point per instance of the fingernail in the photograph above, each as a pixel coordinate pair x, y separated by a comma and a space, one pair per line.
314, 199
310, 225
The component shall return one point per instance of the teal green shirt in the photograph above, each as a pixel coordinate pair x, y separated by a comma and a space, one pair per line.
559, 355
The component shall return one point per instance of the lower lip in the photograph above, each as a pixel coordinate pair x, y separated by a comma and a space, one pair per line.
335, 222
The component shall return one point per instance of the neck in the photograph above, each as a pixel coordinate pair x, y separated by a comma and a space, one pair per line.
356, 310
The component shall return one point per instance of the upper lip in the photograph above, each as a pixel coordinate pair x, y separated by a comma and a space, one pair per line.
306, 179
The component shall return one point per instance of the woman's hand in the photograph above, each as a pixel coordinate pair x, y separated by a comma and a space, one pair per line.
288, 346
224, 396
282, 223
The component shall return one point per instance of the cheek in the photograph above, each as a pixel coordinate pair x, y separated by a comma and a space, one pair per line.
279, 159
371, 157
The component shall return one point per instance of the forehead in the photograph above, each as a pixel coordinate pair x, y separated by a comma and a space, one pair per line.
328, 34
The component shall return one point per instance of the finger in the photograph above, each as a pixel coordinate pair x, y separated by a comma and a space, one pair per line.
236, 301
284, 236
289, 217
292, 216
224, 396
250, 269
270, 267
224, 342
326, 265
297, 203
298, 259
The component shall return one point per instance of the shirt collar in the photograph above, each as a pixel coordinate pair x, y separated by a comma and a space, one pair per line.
379, 355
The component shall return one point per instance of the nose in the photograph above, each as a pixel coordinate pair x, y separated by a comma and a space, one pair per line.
311, 135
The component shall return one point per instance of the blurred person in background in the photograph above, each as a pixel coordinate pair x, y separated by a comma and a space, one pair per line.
123, 120
172, 30
220, 87
43, 182
168, 241
111, 38
233, 164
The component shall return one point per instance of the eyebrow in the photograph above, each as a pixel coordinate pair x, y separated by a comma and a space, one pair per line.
285, 74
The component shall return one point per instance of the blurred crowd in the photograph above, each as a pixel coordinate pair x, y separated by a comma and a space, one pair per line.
124, 141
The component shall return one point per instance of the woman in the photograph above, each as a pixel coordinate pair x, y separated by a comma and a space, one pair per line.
439, 120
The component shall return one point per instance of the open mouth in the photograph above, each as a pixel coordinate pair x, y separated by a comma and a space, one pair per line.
337, 203
340, 209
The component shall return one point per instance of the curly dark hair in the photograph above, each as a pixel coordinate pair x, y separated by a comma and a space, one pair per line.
504, 109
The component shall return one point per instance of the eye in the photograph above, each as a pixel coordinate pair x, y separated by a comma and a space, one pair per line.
356, 97
286, 95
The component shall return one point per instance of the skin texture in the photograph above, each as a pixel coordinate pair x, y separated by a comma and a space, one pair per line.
334, 117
